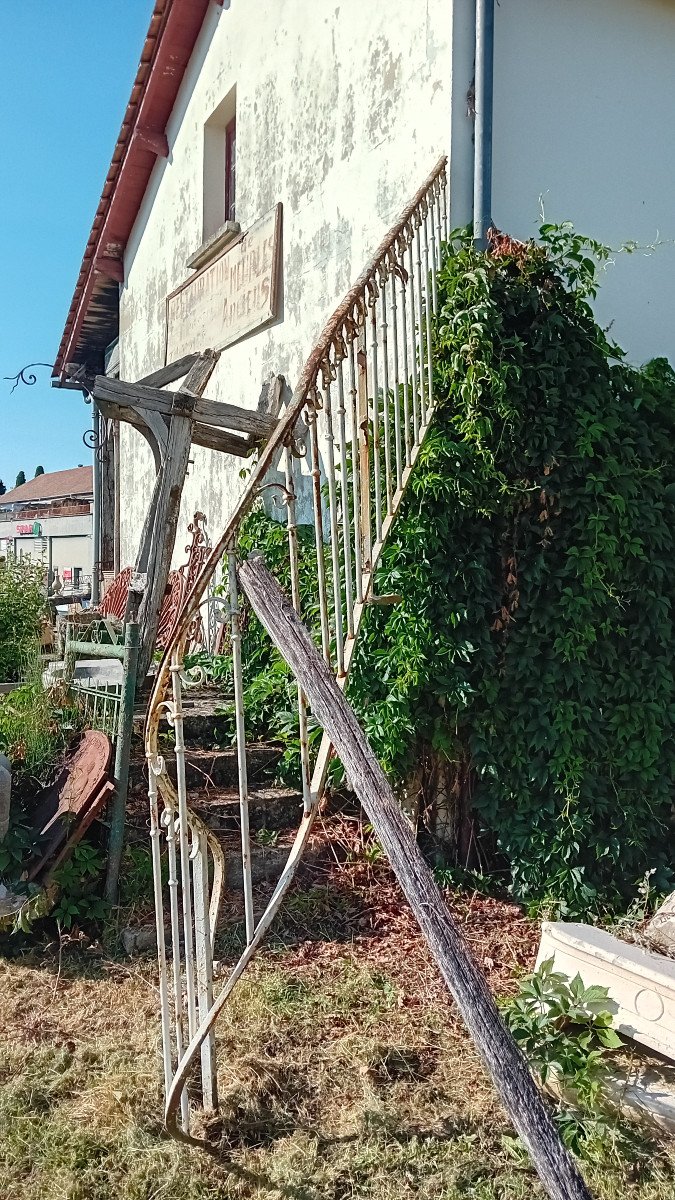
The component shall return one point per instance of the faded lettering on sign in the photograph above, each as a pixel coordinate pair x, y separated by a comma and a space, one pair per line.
230, 297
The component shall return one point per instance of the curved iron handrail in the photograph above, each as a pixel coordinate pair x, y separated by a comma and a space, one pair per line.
376, 350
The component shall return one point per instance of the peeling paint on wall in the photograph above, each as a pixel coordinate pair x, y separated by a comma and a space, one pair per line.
328, 103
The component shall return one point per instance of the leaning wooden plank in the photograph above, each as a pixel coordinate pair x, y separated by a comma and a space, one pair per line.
506, 1065
170, 373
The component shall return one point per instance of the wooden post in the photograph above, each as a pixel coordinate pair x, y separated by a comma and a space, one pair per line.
163, 536
125, 721
107, 453
510, 1073
159, 533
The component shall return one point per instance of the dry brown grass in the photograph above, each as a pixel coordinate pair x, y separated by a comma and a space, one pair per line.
344, 1070
337, 1081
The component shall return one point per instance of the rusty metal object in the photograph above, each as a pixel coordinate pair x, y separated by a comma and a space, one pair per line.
67, 803
170, 609
114, 602
180, 583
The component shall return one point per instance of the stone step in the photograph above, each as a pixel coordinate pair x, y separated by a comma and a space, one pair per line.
270, 809
203, 724
641, 984
267, 863
212, 768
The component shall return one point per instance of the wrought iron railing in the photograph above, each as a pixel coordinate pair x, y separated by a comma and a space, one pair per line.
350, 438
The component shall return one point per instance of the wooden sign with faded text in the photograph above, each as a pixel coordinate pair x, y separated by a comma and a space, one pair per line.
229, 297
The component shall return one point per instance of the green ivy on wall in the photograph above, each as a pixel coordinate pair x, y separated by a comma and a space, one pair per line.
533, 647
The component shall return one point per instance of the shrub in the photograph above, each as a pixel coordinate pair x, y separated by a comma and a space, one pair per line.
565, 1031
22, 608
35, 726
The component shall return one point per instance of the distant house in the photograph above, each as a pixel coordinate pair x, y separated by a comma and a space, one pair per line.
267, 148
50, 519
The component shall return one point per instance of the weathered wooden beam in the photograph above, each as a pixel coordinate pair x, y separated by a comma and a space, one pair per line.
171, 372
133, 395
118, 412
201, 372
507, 1066
217, 439
261, 426
161, 538
139, 396
160, 531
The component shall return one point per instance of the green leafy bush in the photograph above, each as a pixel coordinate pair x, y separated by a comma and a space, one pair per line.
533, 644
79, 881
532, 648
565, 1031
22, 607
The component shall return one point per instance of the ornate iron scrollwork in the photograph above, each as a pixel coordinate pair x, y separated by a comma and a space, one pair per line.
23, 377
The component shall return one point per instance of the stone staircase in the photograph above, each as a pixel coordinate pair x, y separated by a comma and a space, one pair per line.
211, 773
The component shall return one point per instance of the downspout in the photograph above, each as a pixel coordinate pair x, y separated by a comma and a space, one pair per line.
96, 530
482, 160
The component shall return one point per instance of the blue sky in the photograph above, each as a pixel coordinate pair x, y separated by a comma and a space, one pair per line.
66, 70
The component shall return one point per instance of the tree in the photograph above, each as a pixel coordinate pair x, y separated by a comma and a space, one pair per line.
39, 471
3, 489
21, 478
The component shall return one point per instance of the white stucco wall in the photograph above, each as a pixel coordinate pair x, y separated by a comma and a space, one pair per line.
342, 111
584, 108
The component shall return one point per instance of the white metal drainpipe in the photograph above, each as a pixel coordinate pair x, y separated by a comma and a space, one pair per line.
482, 176
96, 547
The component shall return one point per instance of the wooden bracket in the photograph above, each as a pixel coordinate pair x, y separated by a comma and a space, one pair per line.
149, 139
113, 268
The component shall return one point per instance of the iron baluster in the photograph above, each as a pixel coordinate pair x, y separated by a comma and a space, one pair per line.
334, 534
292, 529
344, 497
397, 383
240, 725
356, 485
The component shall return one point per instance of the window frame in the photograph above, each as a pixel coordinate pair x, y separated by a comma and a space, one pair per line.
231, 170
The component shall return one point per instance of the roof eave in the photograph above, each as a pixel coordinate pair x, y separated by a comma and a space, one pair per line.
174, 28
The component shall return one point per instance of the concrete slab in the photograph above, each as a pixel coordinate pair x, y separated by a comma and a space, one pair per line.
646, 1092
93, 672
641, 984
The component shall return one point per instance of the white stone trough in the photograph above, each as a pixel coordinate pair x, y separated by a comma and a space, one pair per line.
641, 984
641, 987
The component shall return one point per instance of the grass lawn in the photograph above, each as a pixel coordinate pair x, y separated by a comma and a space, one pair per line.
344, 1071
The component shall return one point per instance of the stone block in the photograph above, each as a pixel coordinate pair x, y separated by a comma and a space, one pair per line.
641, 984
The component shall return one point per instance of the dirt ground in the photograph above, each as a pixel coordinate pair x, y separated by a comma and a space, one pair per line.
343, 1067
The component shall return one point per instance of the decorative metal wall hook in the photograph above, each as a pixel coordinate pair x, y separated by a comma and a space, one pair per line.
28, 379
